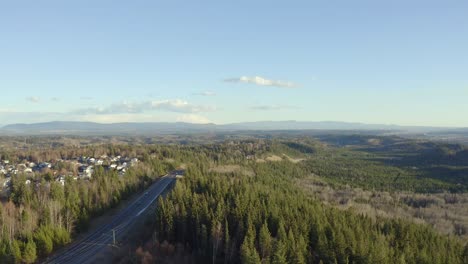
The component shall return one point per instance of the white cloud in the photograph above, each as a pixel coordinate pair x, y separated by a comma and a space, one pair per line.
180, 106
116, 118
175, 110
191, 118
175, 105
33, 99
206, 93
257, 80
11, 117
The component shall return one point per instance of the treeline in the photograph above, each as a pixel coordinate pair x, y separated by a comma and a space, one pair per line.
231, 218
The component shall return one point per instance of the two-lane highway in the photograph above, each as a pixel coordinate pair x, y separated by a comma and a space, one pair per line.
85, 250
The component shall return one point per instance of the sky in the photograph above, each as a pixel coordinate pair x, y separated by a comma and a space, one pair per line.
380, 62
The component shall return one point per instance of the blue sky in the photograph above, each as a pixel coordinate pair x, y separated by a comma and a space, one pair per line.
386, 62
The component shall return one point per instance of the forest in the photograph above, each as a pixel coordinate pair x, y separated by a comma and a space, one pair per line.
249, 200
231, 218
257, 213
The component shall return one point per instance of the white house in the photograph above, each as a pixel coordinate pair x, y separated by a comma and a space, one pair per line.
61, 179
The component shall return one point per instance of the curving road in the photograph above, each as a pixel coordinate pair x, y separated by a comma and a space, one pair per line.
85, 250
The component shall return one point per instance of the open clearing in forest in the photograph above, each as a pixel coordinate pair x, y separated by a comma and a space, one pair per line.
232, 168
294, 160
276, 158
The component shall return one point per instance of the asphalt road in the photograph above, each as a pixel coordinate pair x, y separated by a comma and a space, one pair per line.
86, 249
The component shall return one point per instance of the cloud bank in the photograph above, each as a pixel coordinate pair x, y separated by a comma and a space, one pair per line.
191, 118
175, 110
175, 105
257, 80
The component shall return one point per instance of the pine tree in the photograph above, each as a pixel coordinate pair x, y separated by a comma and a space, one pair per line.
248, 253
265, 242
279, 255
302, 251
227, 243
29, 252
291, 247
44, 242
15, 251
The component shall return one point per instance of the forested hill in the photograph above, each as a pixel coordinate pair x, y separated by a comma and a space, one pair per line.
233, 209
234, 218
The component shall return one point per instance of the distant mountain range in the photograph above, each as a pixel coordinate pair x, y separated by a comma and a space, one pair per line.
59, 127
90, 128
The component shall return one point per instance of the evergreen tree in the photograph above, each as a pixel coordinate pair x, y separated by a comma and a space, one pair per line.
29, 252
248, 252
15, 251
279, 255
265, 243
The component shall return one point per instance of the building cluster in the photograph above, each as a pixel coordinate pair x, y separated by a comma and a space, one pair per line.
120, 164
77, 168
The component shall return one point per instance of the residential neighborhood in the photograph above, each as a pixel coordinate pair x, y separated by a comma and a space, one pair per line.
77, 168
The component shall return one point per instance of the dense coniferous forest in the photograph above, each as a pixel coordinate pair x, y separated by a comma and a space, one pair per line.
256, 213
248, 200
233, 218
